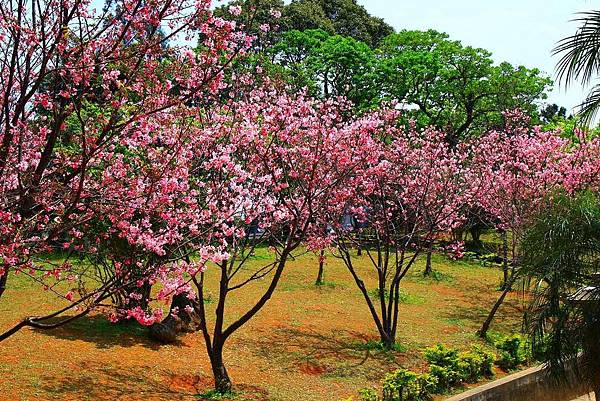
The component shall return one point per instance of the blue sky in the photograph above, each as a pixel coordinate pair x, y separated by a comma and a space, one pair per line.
518, 31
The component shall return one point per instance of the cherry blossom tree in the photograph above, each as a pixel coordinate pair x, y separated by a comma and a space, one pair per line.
80, 89
413, 189
144, 173
280, 160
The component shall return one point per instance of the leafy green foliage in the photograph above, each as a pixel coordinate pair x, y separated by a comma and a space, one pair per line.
328, 65
342, 17
448, 368
216, 395
368, 394
572, 128
335, 48
451, 368
580, 61
479, 363
335, 17
405, 385
486, 259
457, 88
513, 352
552, 112
561, 255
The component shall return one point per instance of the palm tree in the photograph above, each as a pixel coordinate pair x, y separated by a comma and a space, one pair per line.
580, 61
561, 257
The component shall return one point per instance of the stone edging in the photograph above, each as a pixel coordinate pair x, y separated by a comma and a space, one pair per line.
532, 384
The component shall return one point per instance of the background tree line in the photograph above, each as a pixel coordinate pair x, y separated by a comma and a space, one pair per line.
335, 48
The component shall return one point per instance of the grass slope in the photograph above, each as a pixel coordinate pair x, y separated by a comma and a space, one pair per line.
308, 343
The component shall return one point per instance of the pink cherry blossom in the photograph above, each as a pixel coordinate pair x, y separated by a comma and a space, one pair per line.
235, 10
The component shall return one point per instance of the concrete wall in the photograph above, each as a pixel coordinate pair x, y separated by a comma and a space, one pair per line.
530, 385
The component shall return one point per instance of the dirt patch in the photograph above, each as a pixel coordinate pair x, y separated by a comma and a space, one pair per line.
310, 368
188, 383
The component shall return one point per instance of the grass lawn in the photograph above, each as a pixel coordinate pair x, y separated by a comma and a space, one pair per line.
308, 343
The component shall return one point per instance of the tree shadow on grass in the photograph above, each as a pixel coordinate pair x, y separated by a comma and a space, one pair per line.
96, 329
479, 305
96, 381
339, 353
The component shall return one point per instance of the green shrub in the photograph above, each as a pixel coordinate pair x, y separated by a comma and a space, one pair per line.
488, 360
470, 255
404, 385
446, 377
452, 368
368, 394
447, 368
476, 365
490, 259
485, 259
441, 355
513, 352
539, 349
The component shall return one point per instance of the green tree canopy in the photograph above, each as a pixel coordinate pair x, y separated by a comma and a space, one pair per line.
336, 17
457, 88
552, 112
327, 47
342, 17
328, 65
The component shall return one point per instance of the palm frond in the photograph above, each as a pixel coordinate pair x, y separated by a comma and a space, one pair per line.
561, 253
581, 51
589, 108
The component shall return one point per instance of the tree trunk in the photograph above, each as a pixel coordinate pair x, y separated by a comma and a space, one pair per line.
178, 321
504, 259
596, 389
388, 334
3, 279
457, 234
222, 380
363, 289
595, 384
388, 340
319, 280
215, 345
428, 269
476, 235
488, 321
